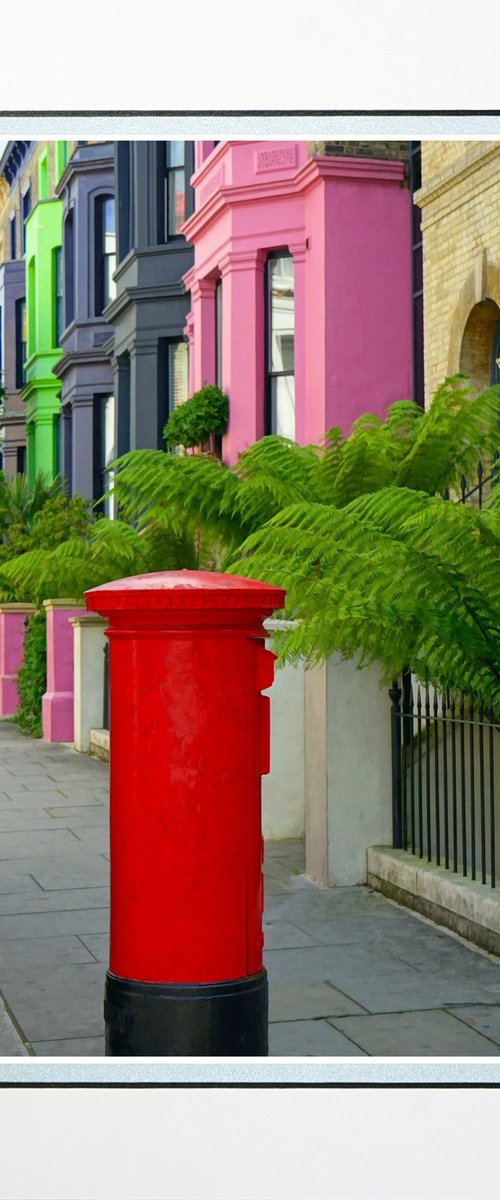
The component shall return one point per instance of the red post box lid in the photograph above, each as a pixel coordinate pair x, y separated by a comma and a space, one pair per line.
184, 590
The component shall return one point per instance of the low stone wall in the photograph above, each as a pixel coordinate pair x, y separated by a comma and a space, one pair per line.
469, 908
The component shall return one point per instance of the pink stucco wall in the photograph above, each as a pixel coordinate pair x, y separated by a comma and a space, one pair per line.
347, 225
57, 702
12, 632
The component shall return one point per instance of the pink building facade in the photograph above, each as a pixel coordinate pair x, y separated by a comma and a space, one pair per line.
301, 287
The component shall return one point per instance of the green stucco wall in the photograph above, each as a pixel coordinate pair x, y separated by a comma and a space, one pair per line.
43, 237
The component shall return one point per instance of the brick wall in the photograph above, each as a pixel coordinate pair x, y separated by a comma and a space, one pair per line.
460, 202
362, 149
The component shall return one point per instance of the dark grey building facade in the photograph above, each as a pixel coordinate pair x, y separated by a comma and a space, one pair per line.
148, 315
87, 445
12, 359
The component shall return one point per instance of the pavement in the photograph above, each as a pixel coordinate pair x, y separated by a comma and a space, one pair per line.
351, 973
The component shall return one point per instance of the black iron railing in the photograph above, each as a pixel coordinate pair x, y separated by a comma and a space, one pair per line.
478, 491
445, 767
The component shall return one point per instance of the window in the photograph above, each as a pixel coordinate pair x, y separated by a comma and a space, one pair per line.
173, 385
218, 333
280, 321
61, 158
105, 252
20, 343
69, 269
13, 237
175, 188
104, 452
43, 177
31, 323
21, 460
58, 295
177, 374
25, 212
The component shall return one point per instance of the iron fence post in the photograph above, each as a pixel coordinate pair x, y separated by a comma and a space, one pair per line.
397, 807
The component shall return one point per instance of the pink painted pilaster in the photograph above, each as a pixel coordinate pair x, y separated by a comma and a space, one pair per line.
57, 703
203, 316
12, 630
243, 349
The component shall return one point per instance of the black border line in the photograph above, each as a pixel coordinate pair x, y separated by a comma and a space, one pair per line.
274, 1086
252, 112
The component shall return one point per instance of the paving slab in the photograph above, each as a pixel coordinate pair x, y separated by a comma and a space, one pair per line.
483, 1018
11, 1043
57, 1001
291, 1038
301, 1001
84, 1047
415, 1033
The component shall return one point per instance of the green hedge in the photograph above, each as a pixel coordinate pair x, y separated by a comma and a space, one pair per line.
32, 676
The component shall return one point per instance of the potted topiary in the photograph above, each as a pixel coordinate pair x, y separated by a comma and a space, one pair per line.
199, 421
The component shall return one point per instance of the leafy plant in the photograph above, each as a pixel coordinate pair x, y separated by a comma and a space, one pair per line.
20, 502
199, 420
32, 676
375, 563
52, 524
427, 451
395, 576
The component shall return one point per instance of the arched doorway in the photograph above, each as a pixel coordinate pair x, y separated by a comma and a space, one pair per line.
481, 345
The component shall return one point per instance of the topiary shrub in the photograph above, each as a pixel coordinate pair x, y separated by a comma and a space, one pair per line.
32, 676
200, 419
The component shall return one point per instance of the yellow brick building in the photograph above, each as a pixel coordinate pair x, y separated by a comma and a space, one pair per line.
460, 204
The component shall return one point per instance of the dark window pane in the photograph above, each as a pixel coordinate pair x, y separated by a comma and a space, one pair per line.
13, 248
105, 258
25, 212
175, 154
58, 295
69, 268
176, 202
20, 342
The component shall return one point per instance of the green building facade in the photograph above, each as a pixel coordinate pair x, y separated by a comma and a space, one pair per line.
44, 324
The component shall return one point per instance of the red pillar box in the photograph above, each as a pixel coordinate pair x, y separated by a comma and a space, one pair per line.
12, 631
189, 741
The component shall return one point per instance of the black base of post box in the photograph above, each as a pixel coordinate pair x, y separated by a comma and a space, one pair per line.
188, 1019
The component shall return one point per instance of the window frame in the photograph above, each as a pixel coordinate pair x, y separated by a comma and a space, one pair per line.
68, 242
100, 254
164, 403
98, 451
25, 198
272, 255
187, 169
58, 297
20, 361
13, 236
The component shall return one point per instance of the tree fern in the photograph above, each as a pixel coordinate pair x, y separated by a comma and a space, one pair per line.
427, 451
395, 576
